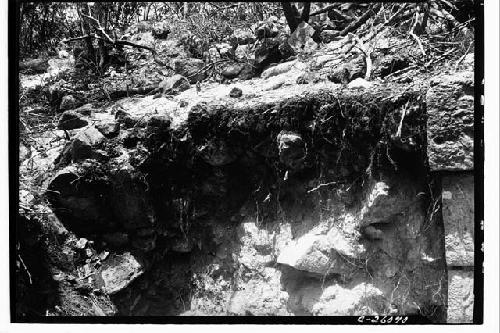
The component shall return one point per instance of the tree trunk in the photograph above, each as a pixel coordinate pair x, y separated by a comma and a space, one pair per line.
100, 15
86, 31
146, 14
305, 12
186, 8
293, 18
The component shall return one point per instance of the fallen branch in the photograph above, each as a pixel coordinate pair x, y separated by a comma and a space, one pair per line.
75, 39
366, 52
419, 27
98, 27
323, 10
463, 57
356, 24
112, 42
207, 67
323, 185
420, 46
105, 37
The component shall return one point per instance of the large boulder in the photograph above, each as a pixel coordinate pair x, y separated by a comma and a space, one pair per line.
232, 71
71, 120
109, 129
81, 146
89, 202
321, 253
174, 84
117, 272
450, 122
79, 205
190, 68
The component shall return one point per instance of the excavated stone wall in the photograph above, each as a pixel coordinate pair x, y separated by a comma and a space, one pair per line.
310, 199
450, 132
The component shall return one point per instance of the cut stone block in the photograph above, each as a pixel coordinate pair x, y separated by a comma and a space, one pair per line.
450, 124
460, 296
458, 219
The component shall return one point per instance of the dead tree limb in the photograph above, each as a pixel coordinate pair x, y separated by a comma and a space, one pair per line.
74, 39
359, 22
105, 37
111, 41
367, 54
323, 10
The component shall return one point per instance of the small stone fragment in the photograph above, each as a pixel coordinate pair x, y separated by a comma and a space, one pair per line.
235, 93
292, 149
81, 243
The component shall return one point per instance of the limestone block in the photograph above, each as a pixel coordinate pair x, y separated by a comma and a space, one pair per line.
450, 124
460, 296
458, 219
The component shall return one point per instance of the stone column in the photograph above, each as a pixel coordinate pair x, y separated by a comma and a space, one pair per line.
450, 135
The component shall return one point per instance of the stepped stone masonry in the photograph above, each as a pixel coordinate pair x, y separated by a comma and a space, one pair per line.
450, 135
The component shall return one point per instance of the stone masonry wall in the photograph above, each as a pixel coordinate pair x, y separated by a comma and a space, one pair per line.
450, 134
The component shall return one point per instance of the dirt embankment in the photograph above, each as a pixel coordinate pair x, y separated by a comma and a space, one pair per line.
287, 194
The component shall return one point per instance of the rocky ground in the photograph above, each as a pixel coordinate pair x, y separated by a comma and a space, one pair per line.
294, 186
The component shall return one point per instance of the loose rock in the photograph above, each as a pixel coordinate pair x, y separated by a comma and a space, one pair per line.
68, 102
109, 129
71, 120
118, 272
232, 71
292, 149
174, 84
190, 68
235, 93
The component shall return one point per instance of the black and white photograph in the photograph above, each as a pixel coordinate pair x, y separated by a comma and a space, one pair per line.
247, 162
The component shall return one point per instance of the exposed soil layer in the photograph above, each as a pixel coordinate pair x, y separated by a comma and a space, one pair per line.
180, 199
